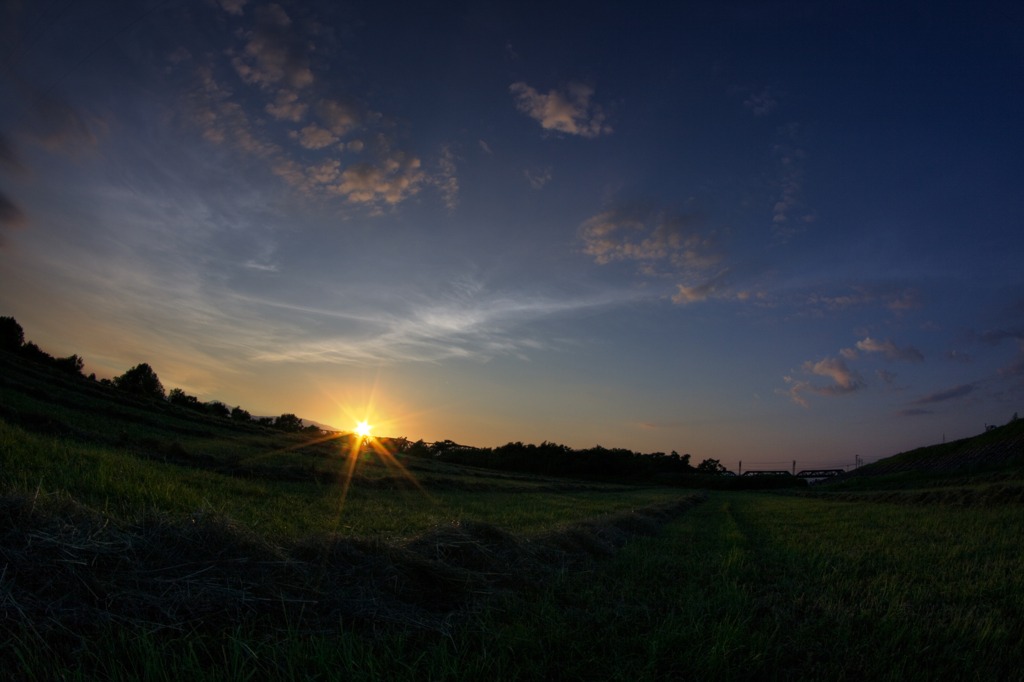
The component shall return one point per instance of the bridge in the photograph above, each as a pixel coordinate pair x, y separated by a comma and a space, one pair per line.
806, 473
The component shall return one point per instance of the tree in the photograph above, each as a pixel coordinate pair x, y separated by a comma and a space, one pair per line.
711, 466
288, 422
240, 415
12, 336
217, 409
72, 364
180, 398
141, 380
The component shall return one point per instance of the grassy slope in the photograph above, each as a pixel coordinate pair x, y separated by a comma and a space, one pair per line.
100, 512
996, 456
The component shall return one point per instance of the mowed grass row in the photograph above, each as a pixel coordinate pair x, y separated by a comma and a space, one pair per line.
753, 586
741, 587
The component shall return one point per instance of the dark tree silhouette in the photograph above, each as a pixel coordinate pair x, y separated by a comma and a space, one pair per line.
288, 422
217, 409
182, 399
72, 364
711, 466
240, 415
12, 336
141, 380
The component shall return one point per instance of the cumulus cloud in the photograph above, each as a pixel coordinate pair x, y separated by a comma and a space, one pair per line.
272, 60
287, 106
273, 54
844, 380
567, 111
392, 181
315, 137
341, 118
890, 350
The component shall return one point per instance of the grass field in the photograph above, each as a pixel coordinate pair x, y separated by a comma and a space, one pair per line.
149, 544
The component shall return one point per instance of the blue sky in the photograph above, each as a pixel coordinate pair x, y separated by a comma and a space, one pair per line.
742, 230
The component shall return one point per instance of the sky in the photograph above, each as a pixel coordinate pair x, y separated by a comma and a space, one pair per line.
749, 231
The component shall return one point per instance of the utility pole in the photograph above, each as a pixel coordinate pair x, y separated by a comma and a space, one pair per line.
794, 467
741, 467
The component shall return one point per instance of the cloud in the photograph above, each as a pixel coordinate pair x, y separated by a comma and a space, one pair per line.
397, 178
314, 157
890, 350
568, 111
913, 412
538, 177
447, 179
885, 375
484, 147
233, 6
467, 322
896, 300
945, 394
996, 336
662, 244
9, 159
273, 54
844, 380
10, 214
835, 369
789, 215
287, 107
315, 137
57, 126
340, 118
762, 103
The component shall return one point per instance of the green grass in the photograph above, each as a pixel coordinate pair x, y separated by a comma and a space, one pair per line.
741, 587
902, 585
761, 587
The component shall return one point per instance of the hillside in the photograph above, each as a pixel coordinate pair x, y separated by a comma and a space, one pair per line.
998, 453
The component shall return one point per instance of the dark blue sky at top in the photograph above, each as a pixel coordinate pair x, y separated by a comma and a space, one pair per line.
728, 228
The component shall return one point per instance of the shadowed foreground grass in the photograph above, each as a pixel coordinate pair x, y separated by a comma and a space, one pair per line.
763, 587
740, 587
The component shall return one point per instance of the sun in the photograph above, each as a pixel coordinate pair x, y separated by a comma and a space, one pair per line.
363, 429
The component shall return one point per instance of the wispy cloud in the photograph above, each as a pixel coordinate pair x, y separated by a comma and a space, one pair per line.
890, 350
538, 177
762, 102
563, 111
789, 213
945, 395
447, 178
896, 298
469, 324
661, 244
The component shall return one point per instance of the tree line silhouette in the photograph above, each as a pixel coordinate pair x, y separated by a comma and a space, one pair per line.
141, 381
548, 458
